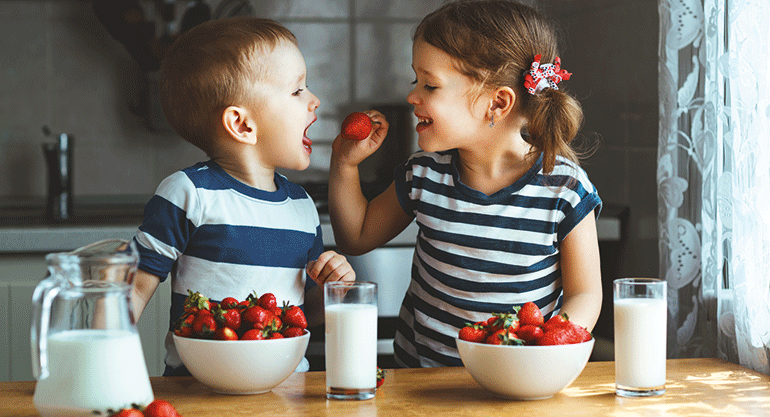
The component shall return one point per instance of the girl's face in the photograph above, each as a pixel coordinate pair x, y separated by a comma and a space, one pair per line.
449, 114
285, 109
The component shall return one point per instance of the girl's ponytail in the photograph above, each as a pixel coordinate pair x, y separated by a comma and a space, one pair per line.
554, 118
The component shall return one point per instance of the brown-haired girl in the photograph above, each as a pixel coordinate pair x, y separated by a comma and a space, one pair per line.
505, 213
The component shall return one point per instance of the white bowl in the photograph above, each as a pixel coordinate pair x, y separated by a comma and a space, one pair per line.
242, 366
524, 372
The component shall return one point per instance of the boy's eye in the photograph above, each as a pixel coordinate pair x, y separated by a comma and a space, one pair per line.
299, 90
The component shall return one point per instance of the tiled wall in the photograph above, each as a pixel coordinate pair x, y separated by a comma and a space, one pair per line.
60, 68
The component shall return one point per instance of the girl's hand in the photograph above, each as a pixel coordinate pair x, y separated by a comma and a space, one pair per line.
330, 266
353, 152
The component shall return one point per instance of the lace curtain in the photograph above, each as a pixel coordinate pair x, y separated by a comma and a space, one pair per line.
714, 178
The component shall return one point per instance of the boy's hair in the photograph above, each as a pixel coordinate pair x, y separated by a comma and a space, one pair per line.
212, 66
494, 42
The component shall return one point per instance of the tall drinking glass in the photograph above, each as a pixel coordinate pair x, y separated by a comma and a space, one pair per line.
640, 336
351, 340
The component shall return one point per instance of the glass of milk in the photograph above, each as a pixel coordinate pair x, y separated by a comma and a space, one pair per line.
640, 336
351, 340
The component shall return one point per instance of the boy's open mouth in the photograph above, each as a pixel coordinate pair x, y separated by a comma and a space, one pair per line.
306, 142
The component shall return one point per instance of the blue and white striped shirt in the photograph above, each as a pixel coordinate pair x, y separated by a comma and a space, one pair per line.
479, 254
218, 236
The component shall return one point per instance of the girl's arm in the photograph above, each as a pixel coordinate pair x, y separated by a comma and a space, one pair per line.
581, 274
360, 225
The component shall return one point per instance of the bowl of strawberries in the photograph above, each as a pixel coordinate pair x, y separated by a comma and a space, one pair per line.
518, 355
241, 346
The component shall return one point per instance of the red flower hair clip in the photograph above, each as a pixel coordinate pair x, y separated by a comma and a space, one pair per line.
541, 76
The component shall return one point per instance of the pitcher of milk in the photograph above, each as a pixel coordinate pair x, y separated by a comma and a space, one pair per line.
86, 353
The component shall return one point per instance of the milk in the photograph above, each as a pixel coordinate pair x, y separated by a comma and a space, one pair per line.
93, 370
351, 346
640, 342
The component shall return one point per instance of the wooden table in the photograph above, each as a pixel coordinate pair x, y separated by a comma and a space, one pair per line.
694, 387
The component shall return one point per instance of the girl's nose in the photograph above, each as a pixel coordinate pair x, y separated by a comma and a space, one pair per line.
411, 98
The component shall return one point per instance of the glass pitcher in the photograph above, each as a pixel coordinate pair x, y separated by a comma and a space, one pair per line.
86, 353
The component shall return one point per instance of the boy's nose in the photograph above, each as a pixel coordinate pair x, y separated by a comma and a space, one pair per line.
314, 102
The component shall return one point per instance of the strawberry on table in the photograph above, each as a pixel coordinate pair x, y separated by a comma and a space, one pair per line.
128, 412
380, 377
356, 126
160, 408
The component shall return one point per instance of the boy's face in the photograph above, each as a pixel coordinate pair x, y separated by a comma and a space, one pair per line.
284, 110
449, 116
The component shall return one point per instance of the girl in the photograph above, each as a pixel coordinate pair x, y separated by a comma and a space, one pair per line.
504, 217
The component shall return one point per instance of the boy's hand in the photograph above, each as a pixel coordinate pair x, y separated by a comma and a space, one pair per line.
353, 152
330, 266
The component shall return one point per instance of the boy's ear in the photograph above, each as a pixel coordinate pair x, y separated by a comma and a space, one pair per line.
239, 125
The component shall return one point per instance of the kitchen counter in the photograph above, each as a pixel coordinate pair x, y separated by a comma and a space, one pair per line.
695, 387
24, 229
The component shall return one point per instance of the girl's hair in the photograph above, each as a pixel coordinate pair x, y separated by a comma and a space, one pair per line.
212, 66
494, 43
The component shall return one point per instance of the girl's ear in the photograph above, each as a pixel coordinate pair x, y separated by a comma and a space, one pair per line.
503, 101
239, 125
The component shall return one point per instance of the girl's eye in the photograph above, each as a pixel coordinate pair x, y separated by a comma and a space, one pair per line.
426, 86
299, 90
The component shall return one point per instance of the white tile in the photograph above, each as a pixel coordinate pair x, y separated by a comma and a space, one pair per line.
301, 8
397, 8
383, 62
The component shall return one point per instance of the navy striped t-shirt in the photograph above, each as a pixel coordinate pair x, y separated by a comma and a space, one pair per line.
218, 236
479, 254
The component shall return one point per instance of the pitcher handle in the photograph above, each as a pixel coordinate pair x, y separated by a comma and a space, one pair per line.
42, 298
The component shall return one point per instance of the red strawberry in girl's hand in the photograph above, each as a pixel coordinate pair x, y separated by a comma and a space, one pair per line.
356, 126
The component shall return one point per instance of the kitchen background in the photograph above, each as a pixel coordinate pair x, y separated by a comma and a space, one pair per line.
60, 68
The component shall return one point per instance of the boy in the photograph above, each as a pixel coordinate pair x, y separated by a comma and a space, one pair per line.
231, 226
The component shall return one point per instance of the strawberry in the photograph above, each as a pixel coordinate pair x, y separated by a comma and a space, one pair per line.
204, 325
529, 333
160, 408
229, 318
556, 336
228, 303
380, 377
556, 321
254, 315
254, 334
503, 321
225, 333
183, 326
128, 412
196, 302
275, 335
473, 333
356, 126
293, 332
294, 316
503, 337
530, 313
268, 301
